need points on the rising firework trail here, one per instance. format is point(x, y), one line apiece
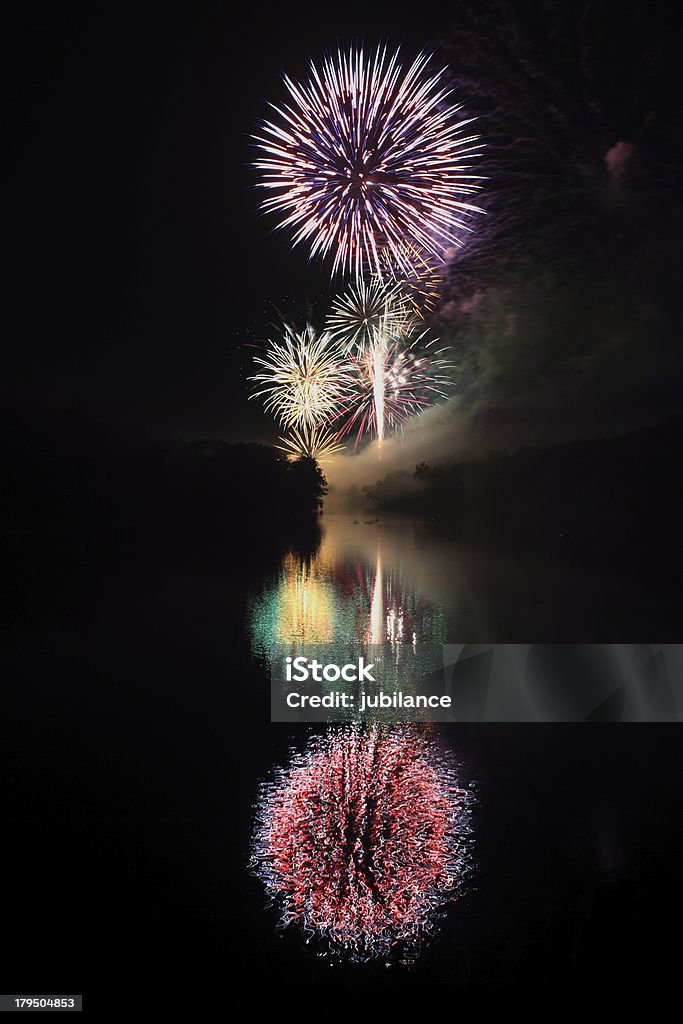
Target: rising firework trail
point(303, 378)
point(377, 366)
point(369, 161)
point(363, 840)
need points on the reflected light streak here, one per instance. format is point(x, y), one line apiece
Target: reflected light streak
point(344, 590)
point(375, 632)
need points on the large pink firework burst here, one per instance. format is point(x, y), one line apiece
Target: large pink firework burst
point(363, 840)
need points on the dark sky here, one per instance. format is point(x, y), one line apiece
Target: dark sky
point(140, 265)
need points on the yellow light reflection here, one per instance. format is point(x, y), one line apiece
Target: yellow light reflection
point(305, 606)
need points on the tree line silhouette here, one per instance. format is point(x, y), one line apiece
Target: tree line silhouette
point(81, 499)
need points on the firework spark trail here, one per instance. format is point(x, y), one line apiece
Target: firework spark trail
point(304, 378)
point(366, 156)
point(422, 285)
point(364, 319)
point(363, 840)
point(378, 362)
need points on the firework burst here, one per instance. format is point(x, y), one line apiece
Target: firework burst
point(369, 307)
point(368, 160)
point(303, 378)
point(317, 442)
point(390, 380)
point(422, 287)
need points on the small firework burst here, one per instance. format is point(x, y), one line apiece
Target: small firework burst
point(422, 286)
point(366, 308)
point(390, 380)
point(317, 442)
point(303, 378)
point(369, 161)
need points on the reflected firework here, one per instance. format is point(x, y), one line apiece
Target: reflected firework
point(299, 607)
point(333, 594)
point(363, 840)
point(369, 157)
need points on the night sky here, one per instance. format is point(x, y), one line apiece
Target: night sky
point(139, 273)
point(141, 268)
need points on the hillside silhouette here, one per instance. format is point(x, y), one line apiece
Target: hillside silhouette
point(83, 500)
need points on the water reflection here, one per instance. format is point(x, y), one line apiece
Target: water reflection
point(357, 585)
point(363, 839)
point(396, 581)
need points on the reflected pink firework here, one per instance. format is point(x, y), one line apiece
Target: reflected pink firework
point(370, 162)
point(363, 840)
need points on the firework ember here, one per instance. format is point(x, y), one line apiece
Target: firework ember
point(368, 160)
point(363, 840)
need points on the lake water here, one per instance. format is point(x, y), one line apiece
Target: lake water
point(136, 738)
point(395, 580)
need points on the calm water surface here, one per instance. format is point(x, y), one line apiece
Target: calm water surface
point(395, 580)
point(136, 735)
